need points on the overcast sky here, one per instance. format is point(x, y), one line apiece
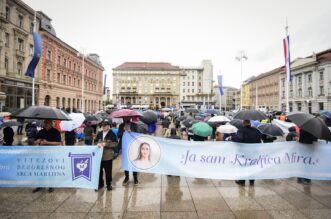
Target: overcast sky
point(184, 32)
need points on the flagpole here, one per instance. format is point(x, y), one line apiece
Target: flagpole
point(33, 79)
point(287, 81)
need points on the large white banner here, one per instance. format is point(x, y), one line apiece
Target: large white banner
point(226, 160)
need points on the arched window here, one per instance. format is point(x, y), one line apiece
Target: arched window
point(47, 100)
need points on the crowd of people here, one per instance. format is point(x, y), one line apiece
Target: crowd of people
point(108, 135)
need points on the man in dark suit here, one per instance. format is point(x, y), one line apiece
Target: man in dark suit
point(247, 134)
point(108, 140)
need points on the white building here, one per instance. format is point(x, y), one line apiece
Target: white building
point(196, 85)
point(310, 87)
point(226, 102)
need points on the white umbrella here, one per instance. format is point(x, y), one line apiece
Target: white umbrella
point(283, 125)
point(227, 129)
point(76, 122)
point(219, 119)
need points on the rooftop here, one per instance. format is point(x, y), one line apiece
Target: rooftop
point(146, 66)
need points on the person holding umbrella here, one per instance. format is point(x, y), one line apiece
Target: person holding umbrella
point(108, 140)
point(247, 134)
point(48, 136)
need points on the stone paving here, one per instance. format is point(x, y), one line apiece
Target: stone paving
point(160, 196)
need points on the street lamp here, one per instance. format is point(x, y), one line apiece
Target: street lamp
point(82, 54)
point(240, 57)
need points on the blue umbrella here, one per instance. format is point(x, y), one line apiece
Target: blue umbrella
point(326, 114)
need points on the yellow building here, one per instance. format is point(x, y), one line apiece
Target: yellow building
point(147, 83)
point(246, 96)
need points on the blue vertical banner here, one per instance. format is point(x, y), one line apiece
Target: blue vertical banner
point(36, 56)
point(50, 166)
point(220, 84)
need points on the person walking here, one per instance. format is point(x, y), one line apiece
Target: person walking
point(107, 140)
point(247, 134)
point(129, 126)
point(48, 136)
point(20, 127)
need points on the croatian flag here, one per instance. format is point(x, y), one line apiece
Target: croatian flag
point(36, 56)
point(220, 84)
point(286, 43)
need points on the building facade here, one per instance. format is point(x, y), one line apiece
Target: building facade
point(264, 91)
point(310, 87)
point(60, 74)
point(197, 85)
point(227, 102)
point(16, 51)
point(147, 83)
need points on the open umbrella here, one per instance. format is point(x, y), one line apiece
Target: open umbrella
point(125, 113)
point(237, 123)
point(76, 122)
point(142, 127)
point(90, 117)
point(191, 110)
point(270, 129)
point(219, 119)
point(255, 123)
point(181, 118)
point(312, 124)
point(149, 116)
point(10, 123)
point(202, 129)
point(327, 114)
point(227, 129)
point(213, 111)
point(41, 112)
point(250, 115)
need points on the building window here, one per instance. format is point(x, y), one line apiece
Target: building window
point(20, 21)
point(78, 83)
point(299, 106)
point(48, 75)
point(192, 83)
point(291, 93)
point(188, 83)
point(58, 77)
point(31, 27)
point(310, 79)
point(321, 106)
point(64, 79)
point(69, 64)
point(7, 39)
point(283, 82)
point(74, 82)
point(300, 92)
point(192, 90)
point(310, 92)
point(20, 45)
point(321, 90)
point(199, 84)
point(59, 60)
point(49, 55)
point(283, 95)
point(6, 64)
point(65, 62)
point(183, 83)
point(69, 80)
point(19, 67)
point(183, 90)
point(321, 76)
point(290, 106)
point(74, 66)
point(7, 13)
point(31, 50)
point(299, 80)
point(199, 90)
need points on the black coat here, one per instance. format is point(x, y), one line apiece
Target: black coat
point(8, 136)
point(111, 142)
point(247, 135)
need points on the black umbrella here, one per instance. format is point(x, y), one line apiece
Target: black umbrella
point(213, 111)
point(270, 129)
point(312, 124)
point(237, 123)
point(191, 110)
point(181, 118)
point(149, 116)
point(10, 123)
point(187, 122)
point(90, 117)
point(41, 112)
point(142, 127)
point(250, 115)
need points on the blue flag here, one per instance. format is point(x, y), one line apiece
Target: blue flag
point(104, 85)
point(36, 56)
point(220, 84)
